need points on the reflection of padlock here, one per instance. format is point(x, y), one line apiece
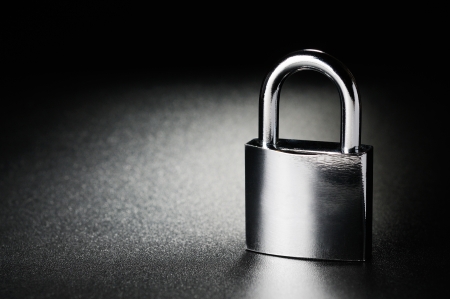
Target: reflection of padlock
point(309, 199)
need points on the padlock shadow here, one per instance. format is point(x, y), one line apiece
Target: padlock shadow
point(267, 276)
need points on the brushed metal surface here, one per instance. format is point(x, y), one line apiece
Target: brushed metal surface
point(309, 203)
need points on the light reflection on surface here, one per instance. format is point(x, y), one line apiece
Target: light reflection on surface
point(278, 277)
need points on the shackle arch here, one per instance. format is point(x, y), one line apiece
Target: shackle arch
point(321, 62)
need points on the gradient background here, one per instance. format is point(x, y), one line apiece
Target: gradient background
point(122, 149)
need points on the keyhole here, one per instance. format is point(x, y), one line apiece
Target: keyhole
point(310, 108)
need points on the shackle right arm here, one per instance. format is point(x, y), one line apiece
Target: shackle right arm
point(325, 64)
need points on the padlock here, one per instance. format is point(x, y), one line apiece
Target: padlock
point(309, 199)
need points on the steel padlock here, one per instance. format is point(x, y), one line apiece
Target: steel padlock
point(309, 199)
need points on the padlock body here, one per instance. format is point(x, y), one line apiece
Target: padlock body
point(306, 199)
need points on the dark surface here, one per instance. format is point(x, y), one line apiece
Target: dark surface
point(132, 185)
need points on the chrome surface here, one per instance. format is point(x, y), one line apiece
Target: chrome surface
point(307, 203)
point(323, 63)
point(309, 199)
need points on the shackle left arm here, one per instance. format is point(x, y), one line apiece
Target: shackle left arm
point(325, 64)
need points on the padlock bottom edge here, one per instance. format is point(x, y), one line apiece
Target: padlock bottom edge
point(305, 258)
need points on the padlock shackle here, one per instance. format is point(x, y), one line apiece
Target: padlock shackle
point(325, 64)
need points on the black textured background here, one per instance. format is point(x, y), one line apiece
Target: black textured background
point(122, 155)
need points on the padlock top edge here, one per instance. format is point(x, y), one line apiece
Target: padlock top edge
point(310, 147)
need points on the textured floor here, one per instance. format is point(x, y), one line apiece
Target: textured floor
point(135, 188)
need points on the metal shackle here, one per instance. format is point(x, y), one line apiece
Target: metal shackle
point(325, 64)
